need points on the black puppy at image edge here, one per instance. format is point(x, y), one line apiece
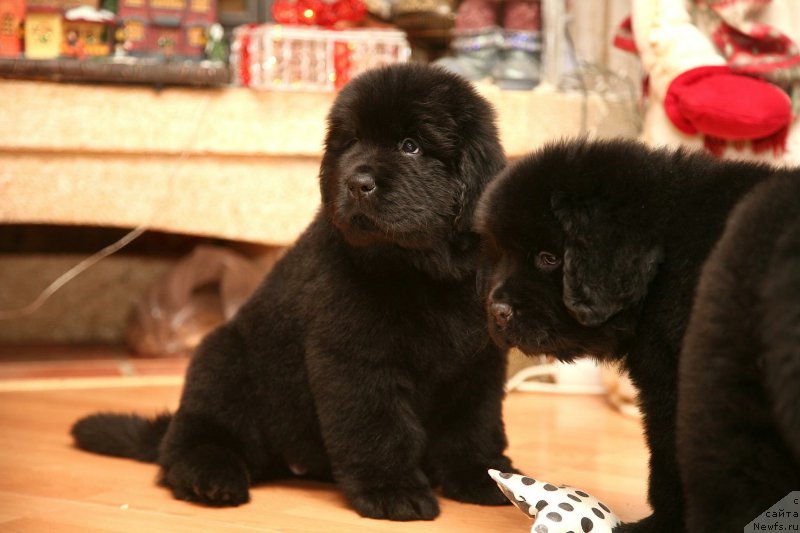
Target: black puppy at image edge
point(364, 356)
point(595, 248)
point(739, 394)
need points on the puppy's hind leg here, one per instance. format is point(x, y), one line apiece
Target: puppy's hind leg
point(212, 449)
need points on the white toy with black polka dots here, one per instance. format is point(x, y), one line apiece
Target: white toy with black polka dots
point(561, 509)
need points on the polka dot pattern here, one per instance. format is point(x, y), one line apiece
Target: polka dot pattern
point(541, 505)
point(557, 509)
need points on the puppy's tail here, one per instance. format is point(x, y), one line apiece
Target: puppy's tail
point(121, 435)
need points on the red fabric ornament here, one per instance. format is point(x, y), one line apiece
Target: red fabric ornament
point(341, 63)
point(752, 47)
point(726, 106)
point(245, 59)
point(762, 50)
point(623, 38)
point(318, 12)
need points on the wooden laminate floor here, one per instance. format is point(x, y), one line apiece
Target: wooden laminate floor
point(47, 485)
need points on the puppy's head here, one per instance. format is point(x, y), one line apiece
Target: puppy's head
point(573, 247)
point(408, 151)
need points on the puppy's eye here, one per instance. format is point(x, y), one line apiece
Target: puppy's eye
point(547, 261)
point(349, 143)
point(410, 147)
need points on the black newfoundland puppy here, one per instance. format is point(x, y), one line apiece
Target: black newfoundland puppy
point(596, 249)
point(739, 394)
point(364, 355)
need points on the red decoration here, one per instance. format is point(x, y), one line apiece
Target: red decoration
point(341, 63)
point(726, 106)
point(12, 13)
point(310, 58)
point(318, 12)
point(244, 51)
point(623, 38)
point(164, 29)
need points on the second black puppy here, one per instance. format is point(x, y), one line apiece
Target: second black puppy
point(597, 248)
point(739, 400)
point(364, 354)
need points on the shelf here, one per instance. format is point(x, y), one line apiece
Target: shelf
point(118, 70)
point(227, 162)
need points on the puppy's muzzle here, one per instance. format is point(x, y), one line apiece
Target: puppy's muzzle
point(361, 185)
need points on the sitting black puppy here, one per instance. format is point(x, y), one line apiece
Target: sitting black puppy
point(364, 355)
point(739, 394)
point(596, 249)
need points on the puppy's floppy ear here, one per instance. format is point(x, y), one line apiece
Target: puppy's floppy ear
point(610, 257)
point(481, 158)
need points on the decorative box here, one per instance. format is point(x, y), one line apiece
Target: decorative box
point(298, 58)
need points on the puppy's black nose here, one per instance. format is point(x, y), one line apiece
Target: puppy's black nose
point(501, 312)
point(361, 185)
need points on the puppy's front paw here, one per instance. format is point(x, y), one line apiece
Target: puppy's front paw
point(473, 484)
point(209, 475)
point(396, 503)
point(476, 490)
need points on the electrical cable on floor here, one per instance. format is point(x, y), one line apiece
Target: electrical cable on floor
point(71, 274)
point(75, 271)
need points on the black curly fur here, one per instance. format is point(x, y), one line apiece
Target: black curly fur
point(364, 355)
point(131, 436)
point(627, 229)
point(739, 396)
